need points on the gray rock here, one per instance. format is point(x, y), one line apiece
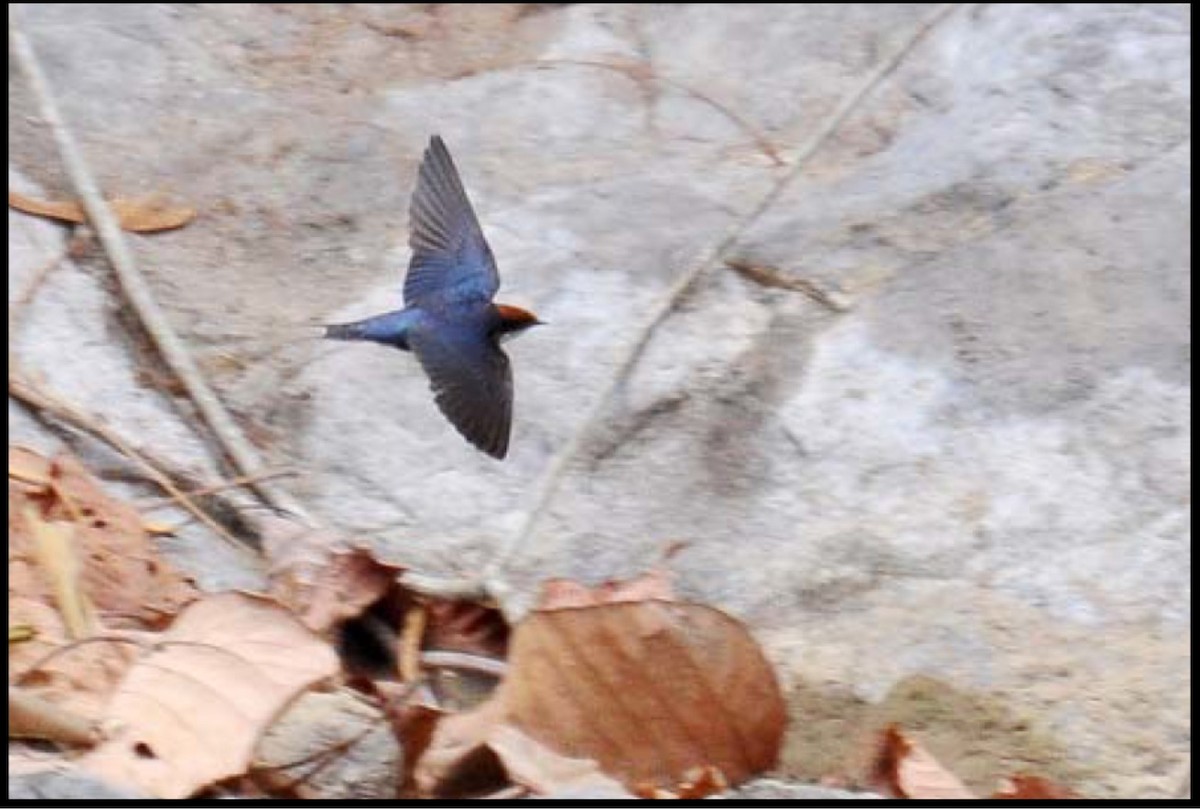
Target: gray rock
point(51, 785)
point(783, 790)
point(319, 723)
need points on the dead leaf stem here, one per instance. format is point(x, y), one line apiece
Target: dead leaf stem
point(451, 659)
point(409, 646)
point(16, 310)
point(211, 489)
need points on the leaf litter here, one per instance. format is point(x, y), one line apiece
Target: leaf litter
point(191, 711)
point(656, 694)
point(618, 689)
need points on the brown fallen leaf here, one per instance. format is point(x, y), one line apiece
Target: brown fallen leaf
point(142, 215)
point(414, 725)
point(466, 627)
point(902, 769)
point(565, 593)
point(453, 753)
point(544, 771)
point(28, 467)
point(34, 717)
point(190, 712)
point(122, 573)
point(650, 690)
point(1025, 786)
point(321, 577)
point(81, 677)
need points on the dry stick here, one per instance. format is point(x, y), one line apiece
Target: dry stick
point(173, 351)
point(16, 310)
point(554, 476)
point(468, 662)
point(210, 489)
point(24, 391)
point(408, 647)
point(70, 647)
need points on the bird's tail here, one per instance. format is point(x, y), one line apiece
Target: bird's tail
point(345, 331)
point(390, 328)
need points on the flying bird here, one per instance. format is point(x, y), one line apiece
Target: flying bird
point(449, 320)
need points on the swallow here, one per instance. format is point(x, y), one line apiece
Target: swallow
point(449, 320)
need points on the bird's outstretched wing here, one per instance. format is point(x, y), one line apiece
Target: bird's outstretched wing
point(472, 383)
point(451, 261)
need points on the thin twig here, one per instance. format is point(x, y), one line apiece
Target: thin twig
point(72, 646)
point(24, 391)
point(408, 646)
point(170, 347)
point(452, 659)
point(768, 276)
point(16, 310)
point(670, 299)
point(210, 489)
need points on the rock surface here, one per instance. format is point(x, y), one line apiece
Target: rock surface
point(975, 467)
point(346, 748)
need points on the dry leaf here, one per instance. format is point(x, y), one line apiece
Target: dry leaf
point(457, 745)
point(904, 770)
point(320, 577)
point(143, 215)
point(33, 717)
point(122, 573)
point(566, 593)
point(191, 711)
point(650, 690)
point(413, 724)
point(1024, 786)
point(80, 679)
point(28, 467)
point(544, 771)
point(666, 697)
point(465, 627)
point(349, 585)
point(57, 557)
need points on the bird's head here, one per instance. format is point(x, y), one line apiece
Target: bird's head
point(514, 320)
